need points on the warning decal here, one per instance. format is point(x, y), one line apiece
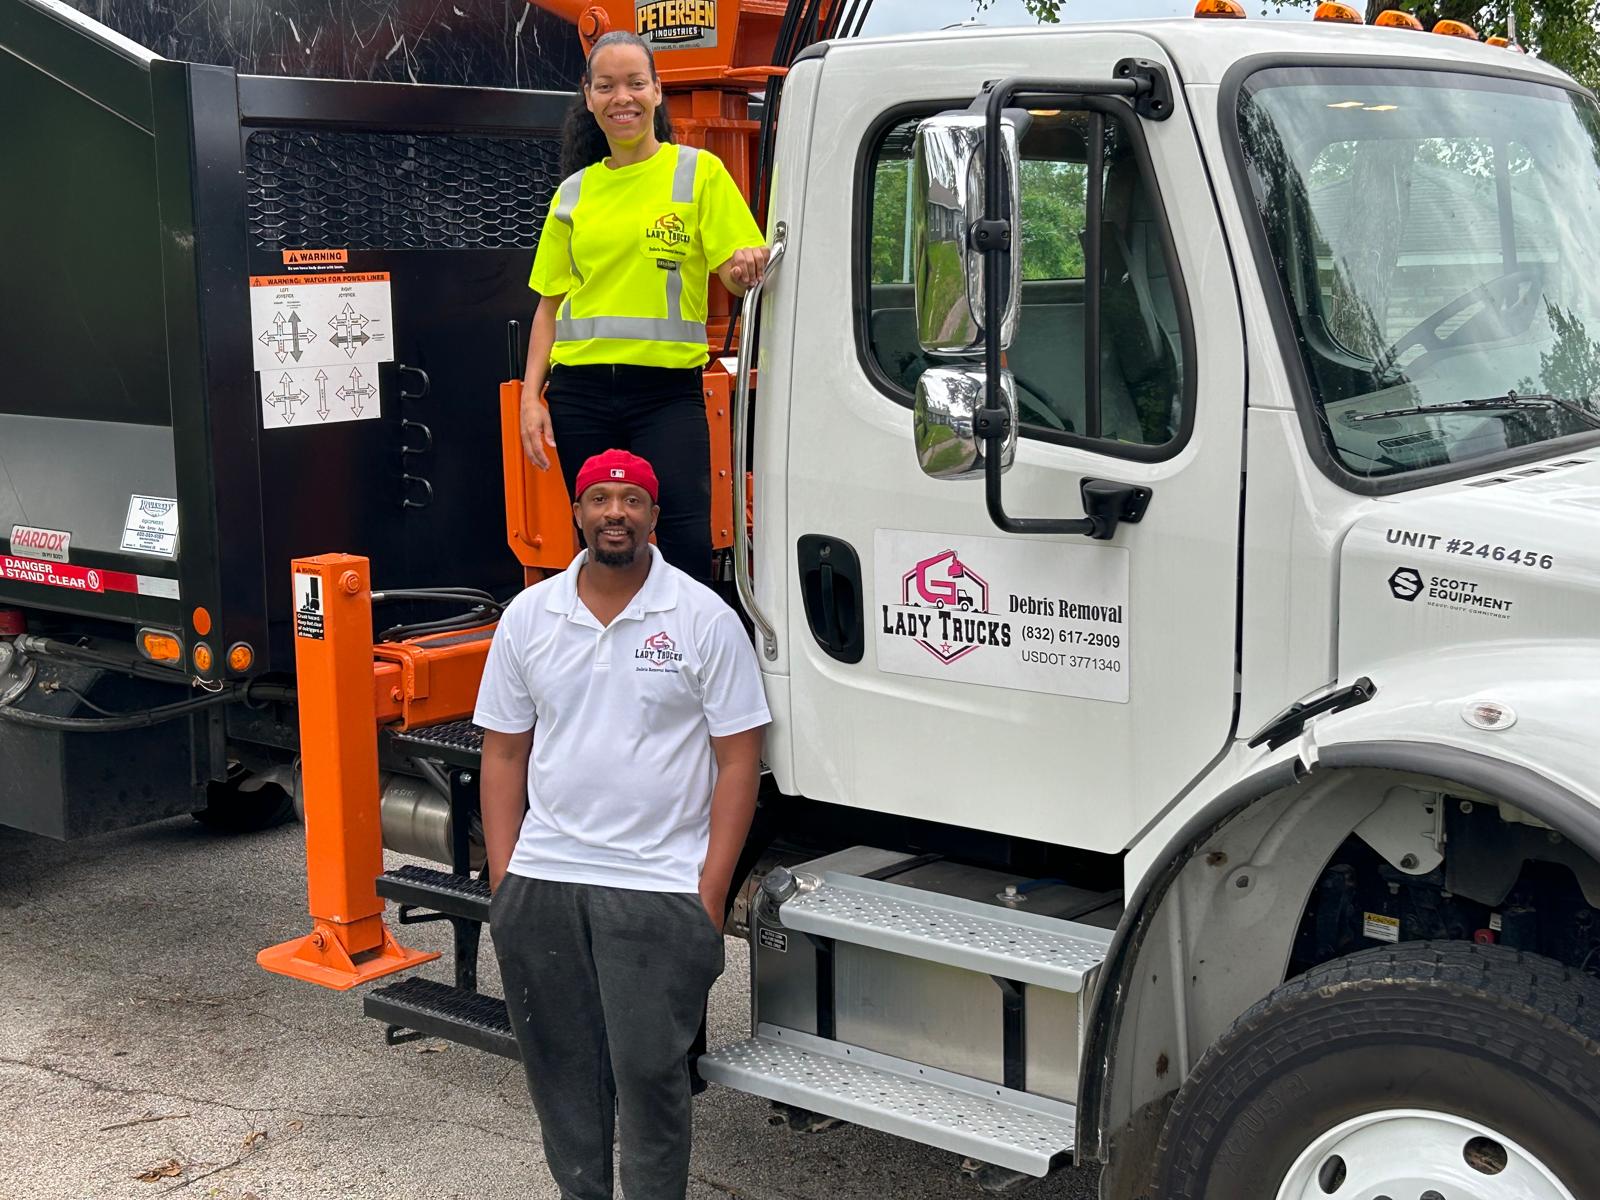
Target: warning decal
point(83, 579)
point(308, 606)
point(304, 396)
point(1380, 928)
point(324, 320)
point(151, 526)
point(320, 258)
point(77, 579)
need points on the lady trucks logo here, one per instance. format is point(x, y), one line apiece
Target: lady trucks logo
point(659, 653)
point(956, 594)
point(1002, 613)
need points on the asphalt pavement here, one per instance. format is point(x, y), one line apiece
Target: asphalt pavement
point(143, 1052)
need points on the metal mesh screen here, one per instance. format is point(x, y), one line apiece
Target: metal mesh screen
point(385, 191)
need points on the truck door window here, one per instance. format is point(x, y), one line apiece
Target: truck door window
point(1141, 401)
point(1433, 234)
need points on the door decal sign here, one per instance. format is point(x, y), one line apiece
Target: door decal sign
point(1024, 614)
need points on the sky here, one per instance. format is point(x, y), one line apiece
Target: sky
point(909, 16)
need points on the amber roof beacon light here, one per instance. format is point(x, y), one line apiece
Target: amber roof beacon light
point(1394, 18)
point(1231, 9)
point(1342, 14)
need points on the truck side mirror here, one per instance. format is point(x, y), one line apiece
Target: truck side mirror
point(947, 181)
point(945, 419)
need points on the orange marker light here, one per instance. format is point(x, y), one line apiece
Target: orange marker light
point(159, 646)
point(1458, 29)
point(1231, 9)
point(1503, 43)
point(202, 657)
point(1342, 13)
point(240, 656)
point(1393, 18)
point(202, 622)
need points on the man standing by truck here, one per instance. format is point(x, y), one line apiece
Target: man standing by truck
point(640, 783)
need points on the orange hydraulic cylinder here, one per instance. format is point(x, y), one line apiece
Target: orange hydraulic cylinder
point(348, 943)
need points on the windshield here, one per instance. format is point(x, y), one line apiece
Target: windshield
point(1438, 240)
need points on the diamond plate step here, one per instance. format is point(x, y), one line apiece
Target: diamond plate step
point(937, 1108)
point(442, 1011)
point(963, 933)
point(459, 743)
point(436, 891)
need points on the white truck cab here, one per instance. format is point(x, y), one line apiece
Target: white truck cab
point(1282, 764)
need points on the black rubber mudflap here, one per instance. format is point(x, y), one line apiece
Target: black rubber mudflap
point(441, 1011)
point(437, 891)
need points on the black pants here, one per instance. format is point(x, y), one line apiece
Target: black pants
point(658, 413)
point(605, 988)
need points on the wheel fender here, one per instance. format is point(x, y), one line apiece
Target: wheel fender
point(1424, 700)
point(1413, 725)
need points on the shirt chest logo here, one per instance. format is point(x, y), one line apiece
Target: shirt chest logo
point(668, 234)
point(658, 653)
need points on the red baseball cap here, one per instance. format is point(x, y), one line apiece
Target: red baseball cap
point(618, 466)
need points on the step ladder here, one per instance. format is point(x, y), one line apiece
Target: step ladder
point(417, 1007)
point(992, 1121)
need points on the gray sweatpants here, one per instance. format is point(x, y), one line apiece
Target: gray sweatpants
point(605, 988)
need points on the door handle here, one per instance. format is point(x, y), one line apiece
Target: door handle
point(830, 582)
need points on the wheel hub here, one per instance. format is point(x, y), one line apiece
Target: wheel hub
point(1409, 1154)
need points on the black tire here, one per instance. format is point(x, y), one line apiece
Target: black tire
point(230, 809)
point(1508, 1040)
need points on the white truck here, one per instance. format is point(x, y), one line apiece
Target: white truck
point(1185, 696)
point(1275, 784)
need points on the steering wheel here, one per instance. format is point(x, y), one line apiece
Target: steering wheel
point(1508, 305)
point(1038, 405)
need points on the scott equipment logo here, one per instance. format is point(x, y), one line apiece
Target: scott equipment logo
point(945, 584)
point(1406, 583)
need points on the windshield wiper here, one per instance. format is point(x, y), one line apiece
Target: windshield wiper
point(1541, 401)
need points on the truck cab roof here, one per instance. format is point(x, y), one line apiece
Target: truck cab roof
point(1205, 50)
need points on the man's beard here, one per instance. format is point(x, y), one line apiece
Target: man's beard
point(613, 558)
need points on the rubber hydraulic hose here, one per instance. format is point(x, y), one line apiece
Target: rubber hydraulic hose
point(148, 717)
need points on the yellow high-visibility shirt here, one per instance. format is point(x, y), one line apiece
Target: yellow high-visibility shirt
point(632, 249)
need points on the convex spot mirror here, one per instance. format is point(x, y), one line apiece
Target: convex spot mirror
point(944, 421)
point(947, 184)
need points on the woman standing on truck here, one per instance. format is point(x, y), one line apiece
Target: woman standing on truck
point(622, 269)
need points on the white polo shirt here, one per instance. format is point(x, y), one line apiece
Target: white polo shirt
point(619, 784)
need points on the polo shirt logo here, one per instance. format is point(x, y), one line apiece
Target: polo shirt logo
point(658, 649)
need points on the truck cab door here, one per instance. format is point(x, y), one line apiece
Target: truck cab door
point(1057, 688)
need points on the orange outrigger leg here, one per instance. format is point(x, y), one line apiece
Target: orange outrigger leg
point(348, 943)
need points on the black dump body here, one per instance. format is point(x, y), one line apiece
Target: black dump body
point(174, 364)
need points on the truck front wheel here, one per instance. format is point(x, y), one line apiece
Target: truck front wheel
point(1424, 1071)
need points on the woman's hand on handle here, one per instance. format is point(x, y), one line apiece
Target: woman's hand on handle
point(537, 432)
point(744, 270)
